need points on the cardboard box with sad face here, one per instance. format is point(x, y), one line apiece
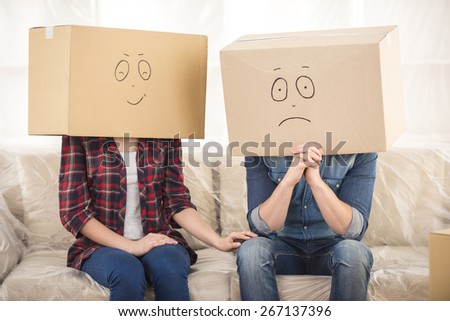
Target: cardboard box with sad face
point(341, 89)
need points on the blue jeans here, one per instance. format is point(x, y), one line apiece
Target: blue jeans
point(260, 259)
point(165, 267)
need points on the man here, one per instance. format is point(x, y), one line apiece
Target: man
point(310, 212)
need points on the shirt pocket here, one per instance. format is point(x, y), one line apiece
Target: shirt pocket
point(153, 179)
point(103, 172)
point(277, 174)
point(155, 174)
point(333, 183)
point(155, 162)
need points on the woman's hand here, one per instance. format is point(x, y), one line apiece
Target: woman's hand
point(148, 242)
point(234, 240)
point(98, 232)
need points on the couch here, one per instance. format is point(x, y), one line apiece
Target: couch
point(411, 199)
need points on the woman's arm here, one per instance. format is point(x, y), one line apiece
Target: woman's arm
point(179, 208)
point(190, 220)
point(99, 233)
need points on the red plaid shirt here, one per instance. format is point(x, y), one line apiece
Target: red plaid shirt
point(92, 183)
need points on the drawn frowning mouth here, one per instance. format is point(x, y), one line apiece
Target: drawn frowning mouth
point(136, 103)
point(290, 118)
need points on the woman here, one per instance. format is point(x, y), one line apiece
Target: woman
point(122, 203)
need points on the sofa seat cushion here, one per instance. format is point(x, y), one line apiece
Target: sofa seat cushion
point(294, 287)
point(410, 198)
point(11, 247)
point(399, 273)
point(210, 277)
point(42, 275)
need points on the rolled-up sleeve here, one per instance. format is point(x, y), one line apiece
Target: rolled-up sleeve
point(357, 191)
point(257, 225)
point(74, 196)
point(356, 226)
point(259, 188)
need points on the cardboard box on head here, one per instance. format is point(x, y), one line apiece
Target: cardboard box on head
point(341, 89)
point(106, 82)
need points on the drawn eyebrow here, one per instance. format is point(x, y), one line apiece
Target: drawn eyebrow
point(277, 69)
point(305, 66)
point(140, 54)
point(126, 54)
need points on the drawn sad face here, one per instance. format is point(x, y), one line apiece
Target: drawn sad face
point(282, 94)
point(135, 73)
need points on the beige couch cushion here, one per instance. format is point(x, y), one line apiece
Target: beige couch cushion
point(410, 199)
point(38, 175)
point(233, 195)
point(198, 178)
point(43, 275)
point(210, 277)
point(399, 273)
point(294, 287)
point(10, 189)
point(13, 234)
point(11, 247)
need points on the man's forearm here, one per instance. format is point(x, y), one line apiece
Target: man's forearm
point(274, 210)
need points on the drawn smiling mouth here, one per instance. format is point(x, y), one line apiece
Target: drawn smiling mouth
point(290, 118)
point(136, 103)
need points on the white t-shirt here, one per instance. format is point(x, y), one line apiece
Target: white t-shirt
point(133, 226)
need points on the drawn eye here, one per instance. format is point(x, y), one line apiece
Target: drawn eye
point(122, 70)
point(145, 71)
point(305, 87)
point(279, 89)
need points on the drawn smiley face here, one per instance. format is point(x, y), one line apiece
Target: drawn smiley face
point(280, 92)
point(122, 73)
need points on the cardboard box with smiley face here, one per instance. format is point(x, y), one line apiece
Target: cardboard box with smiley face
point(106, 82)
point(341, 89)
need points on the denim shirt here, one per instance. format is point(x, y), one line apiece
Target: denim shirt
point(351, 177)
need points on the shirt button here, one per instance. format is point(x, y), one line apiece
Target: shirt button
point(306, 206)
point(305, 227)
point(337, 185)
point(279, 180)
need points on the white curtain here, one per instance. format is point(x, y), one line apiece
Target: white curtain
point(424, 36)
